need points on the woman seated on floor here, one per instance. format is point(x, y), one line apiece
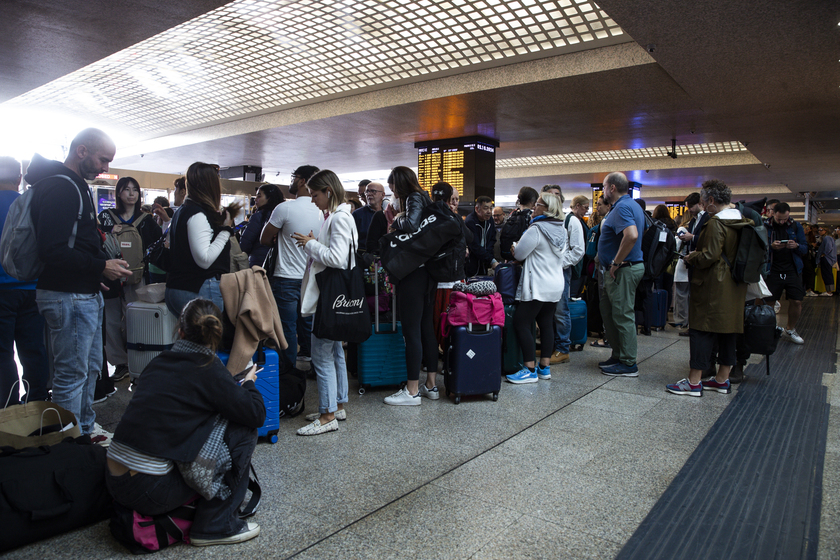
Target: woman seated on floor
point(185, 401)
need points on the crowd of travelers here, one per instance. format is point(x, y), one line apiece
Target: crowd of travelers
point(92, 271)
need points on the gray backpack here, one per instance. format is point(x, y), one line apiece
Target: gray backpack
point(18, 243)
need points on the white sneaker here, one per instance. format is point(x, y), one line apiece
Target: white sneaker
point(432, 393)
point(777, 307)
point(794, 336)
point(248, 532)
point(101, 436)
point(403, 398)
point(340, 414)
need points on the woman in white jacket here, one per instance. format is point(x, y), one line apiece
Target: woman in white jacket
point(540, 286)
point(329, 249)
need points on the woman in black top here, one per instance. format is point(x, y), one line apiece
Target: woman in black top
point(199, 251)
point(119, 220)
point(415, 295)
point(187, 399)
point(268, 197)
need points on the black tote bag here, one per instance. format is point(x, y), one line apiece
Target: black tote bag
point(402, 253)
point(342, 312)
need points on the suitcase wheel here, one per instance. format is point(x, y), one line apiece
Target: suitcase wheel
point(495, 397)
point(576, 347)
point(457, 399)
point(273, 438)
point(361, 390)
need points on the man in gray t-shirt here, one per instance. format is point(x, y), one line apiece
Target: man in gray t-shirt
point(296, 215)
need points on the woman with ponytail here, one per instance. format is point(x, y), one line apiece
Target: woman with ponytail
point(186, 401)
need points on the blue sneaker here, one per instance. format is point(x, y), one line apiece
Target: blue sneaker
point(524, 375)
point(683, 387)
point(621, 370)
point(610, 362)
point(713, 385)
point(543, 372)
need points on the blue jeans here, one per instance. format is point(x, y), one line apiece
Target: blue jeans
point(562, 317)
point(177, 300)
point(21, 325)
point(331, 373)
point(74, 325)
point(295, 328)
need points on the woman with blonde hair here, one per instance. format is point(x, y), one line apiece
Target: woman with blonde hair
point(541, 250)
point(199, 241)
point(334, 247)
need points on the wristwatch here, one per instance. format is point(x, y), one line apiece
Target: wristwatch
point(613, 263)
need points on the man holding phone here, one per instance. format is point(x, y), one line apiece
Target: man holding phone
point(787, 247)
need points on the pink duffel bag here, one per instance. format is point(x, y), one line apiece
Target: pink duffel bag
point(465, 309)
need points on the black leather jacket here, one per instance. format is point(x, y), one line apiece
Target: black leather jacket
point(409, 221)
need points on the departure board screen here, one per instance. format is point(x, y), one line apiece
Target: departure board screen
point(468, 164)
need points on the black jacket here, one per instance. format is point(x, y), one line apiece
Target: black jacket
point(54, 210)
point(481, 246)
point(173, 409)
point(409, 221)
point(249, 241)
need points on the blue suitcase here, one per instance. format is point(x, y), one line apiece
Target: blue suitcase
point(656, 308)
point(268, 383)
point(381, 358)
point(577, 310)
point(473, 361)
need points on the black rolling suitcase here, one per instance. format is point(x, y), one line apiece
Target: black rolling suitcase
point(473, 361)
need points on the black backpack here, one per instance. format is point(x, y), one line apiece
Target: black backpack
point(751, 256)
point(448, 264)
point(512, 231)
point(658, 247)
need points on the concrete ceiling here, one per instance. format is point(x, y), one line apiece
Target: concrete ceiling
point(765, 73)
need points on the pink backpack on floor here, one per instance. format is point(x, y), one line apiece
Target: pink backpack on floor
point(468, 309)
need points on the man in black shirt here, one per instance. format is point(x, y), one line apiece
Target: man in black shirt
point(787, 247)
point(68, 290)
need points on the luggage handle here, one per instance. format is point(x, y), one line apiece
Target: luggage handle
point(12, 390)
point(485, 325)
point(376, 301)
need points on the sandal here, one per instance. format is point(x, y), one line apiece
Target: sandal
point(599, 344)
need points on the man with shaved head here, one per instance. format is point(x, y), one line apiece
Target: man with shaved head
point(68, 290)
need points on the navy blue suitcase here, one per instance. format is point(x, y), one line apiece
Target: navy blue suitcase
point(381, 358)
point(656, 308)
point(507, 281)
point(473, 361)
point(577, 337)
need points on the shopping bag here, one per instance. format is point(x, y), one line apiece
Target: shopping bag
point(36, 423)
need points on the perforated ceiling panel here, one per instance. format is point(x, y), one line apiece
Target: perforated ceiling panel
point(257, 55)
point(612, 155)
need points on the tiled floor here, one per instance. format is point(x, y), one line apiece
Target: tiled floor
point(565, 468)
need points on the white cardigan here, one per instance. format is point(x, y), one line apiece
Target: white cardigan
point(330, 250)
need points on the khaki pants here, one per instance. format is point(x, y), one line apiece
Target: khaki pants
point(618, 314)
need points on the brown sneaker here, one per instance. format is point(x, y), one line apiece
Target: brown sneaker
point(559, 358)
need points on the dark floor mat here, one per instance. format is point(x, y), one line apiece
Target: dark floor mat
point(753, 487)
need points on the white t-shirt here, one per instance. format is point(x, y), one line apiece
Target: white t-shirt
point(294, 216)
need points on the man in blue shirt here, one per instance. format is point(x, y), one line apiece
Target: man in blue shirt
point(620, 253)
point(20, 322)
